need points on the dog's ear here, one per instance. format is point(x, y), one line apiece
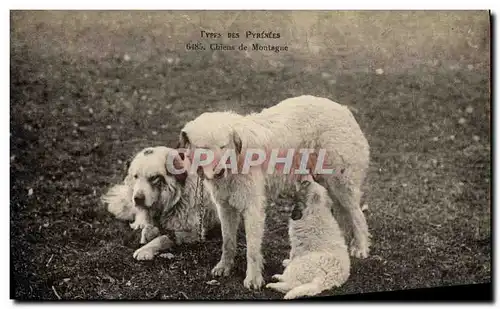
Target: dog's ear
point(178, 163)
point(297, 186)
point(296, 213)
point(126, 166)
point(184, 141)
point(127, 179)
point(182, 156)
point(237, 142)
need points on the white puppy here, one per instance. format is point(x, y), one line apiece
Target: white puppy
point(318, 259)
point(156, 198)
point(295, 123)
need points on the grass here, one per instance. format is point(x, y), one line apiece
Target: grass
point(77, 114)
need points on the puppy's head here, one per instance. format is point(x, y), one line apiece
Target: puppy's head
point(152, 179)
point(309, 196)
point(212, 142)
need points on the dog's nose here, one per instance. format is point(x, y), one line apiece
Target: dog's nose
point(139, 199)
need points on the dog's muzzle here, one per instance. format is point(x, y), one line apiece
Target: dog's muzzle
point(140, 200)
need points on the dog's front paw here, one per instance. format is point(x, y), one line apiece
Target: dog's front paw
point(254, 281)
point(137, 225)
point(285, 262)
point(221, 269)
point(144, 254)
point(359, 250)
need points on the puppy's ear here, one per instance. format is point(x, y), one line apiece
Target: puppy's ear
point(184, 141)
point(316, 198)
point(305, 184)
point(237, 142)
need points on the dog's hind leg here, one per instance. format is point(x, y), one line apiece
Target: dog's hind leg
point(349, 196)
point(230, 220)
point(308, 289)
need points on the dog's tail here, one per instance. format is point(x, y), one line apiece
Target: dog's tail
point(119, 203)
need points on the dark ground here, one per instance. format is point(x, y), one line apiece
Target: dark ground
point(75, 119)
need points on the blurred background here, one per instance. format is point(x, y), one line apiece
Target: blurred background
point(349, 40)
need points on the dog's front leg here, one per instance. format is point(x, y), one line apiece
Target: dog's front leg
point(151, 249)
point(254, 215)
point(149, 232)
point(230, 220)
point(141, 219)
point(186, 237)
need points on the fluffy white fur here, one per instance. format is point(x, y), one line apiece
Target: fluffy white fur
point(301, 122)
point(318, 259)
point(170, 203)
point(119, 202)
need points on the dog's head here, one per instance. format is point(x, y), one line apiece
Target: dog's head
point(154, 177)
point(214, 137)
point(309, 195)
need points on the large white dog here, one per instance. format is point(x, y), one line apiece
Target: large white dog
point(295, 123)
point(153, 198)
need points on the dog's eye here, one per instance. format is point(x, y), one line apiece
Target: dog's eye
point(156, 179)
point(136, 176)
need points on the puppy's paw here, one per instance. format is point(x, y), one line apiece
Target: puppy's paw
point(221, 269)
point(285, 262)
point(273, 286)
point(359, 250)
point(277, 277)
point(144, 254)
point(290, 295)
point(253, 281)
point(281, 287)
